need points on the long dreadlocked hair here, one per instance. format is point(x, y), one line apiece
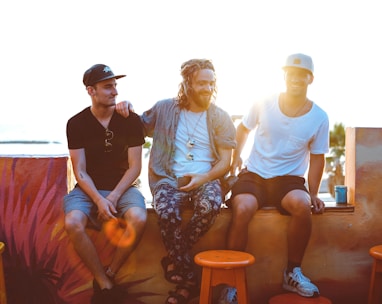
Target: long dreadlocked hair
point(187, 71)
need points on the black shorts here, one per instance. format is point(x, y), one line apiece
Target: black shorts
point(268, 192)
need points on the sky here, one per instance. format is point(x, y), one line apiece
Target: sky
point(47, 45)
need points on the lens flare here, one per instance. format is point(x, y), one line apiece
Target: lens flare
point(119, 232)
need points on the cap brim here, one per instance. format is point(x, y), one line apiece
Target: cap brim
point(111, 77)
point(296, 67)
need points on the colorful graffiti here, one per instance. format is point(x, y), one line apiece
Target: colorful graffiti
point(40, 265)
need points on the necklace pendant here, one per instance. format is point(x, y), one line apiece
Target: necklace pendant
point(190, 143)
point(190, 156)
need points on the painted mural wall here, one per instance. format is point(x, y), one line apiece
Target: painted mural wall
point(42, 267)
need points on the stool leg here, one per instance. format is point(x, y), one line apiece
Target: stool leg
point(241, 286)
point(375, 291)
point(205, 288)
point(3, 293)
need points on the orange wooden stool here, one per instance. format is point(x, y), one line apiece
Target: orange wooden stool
point(3, 293)
point(223, 267)
point(375, 290)
point(293, 298)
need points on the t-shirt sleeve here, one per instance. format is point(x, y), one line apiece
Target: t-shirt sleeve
point(250, 119)
point(136, 135)
point(73, 135)
point(320, 145)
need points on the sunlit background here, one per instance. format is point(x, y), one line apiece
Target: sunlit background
point(47, 45)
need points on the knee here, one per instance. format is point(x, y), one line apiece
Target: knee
point(73, 224)
point(137, 216)
point(305, 210)
point(243, 208)
point(300, 208)
point(142, 218)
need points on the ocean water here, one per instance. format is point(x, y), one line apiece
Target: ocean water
point(31, 140)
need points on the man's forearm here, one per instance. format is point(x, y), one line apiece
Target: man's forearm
point(316, 170)
point(127, 180)
point(222, 166)
point(87, 185)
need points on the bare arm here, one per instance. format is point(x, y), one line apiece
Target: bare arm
point(124, 108)
point(220, 168)
point(241, 138)
point(135, 166)
point(316, 169)
point(105, 207)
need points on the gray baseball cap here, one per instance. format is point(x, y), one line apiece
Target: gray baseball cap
point(299, 60)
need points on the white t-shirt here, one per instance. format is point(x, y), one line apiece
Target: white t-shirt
point(282, 144)
point(192, 126)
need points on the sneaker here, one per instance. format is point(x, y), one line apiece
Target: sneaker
point(113, 296)
point(107, 296)
point(96, 298)
point(296, 282)
point(228, 295)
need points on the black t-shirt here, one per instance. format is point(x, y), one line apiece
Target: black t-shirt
point(105, 168)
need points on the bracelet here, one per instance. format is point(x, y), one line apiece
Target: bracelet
point(109, 273)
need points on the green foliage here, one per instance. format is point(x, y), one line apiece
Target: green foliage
point(147, 144)
point(337, 140)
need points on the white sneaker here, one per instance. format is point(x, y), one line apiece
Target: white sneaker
point(296, 282)
point(228, 295)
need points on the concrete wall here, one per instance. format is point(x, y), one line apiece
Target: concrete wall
point(40, 262)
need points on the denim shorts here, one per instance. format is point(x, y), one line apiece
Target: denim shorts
point(79, 200)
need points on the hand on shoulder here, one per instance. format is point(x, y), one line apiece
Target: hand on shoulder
point(124, 108)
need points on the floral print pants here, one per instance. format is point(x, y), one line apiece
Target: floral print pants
point(169, 203)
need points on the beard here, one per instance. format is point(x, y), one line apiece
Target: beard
point(201, 99)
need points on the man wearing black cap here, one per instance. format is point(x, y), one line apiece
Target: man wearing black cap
point(291, 138)
point(106, 153)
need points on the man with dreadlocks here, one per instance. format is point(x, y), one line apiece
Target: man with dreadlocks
point(192, 146)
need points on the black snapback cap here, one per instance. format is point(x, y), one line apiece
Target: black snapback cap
point(97, 73)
